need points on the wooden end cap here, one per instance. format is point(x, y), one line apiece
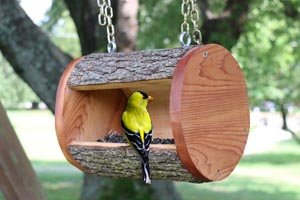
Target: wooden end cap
point(209, 112)
point(63, 94)
point(85, 115)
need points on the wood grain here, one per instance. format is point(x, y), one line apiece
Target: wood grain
point(85, 116)
point(17, 177)
point(209, 112)
point(121, 161)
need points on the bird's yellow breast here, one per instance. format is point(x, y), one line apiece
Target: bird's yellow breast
point(137, 121)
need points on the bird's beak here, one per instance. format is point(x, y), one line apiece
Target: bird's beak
point(150, 98)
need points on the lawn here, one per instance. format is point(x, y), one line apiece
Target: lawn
point(273, 174)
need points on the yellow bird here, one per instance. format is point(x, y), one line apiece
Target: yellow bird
point(137, 126)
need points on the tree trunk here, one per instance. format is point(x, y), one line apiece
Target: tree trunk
point(17, 178)
point(284, 114)
point(127, 25)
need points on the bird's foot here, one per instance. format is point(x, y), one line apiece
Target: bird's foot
point(147, 180)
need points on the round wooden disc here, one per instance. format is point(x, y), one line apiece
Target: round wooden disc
point(209, 111)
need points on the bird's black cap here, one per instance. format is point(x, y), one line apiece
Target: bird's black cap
point(145, 96)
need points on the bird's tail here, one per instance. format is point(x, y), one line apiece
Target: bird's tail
point(146, 170)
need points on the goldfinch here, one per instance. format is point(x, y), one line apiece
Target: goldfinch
point(137, 126)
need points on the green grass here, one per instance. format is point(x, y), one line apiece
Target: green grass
point(36, 131)
point(60, 180)
point(272, 175)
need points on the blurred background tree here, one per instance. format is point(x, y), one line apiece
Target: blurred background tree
point(269, 52)
point(264, 36)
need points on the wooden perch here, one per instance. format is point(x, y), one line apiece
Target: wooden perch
point(120, 160)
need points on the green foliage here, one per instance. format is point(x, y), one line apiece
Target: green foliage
point(63, 34)
point(54, 14)
point(269, 52)
point(159, 24)
point(268, 49)
point(13, 90)
point(160, 21)
point(61, 29)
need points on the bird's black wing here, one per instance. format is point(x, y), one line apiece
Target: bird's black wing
point(142, 148)
point(148, 139)
point(136, 141)
point(134, 138)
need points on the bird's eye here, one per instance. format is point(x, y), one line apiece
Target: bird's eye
point(145, 96)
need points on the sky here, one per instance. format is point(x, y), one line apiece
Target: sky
point(36, 9)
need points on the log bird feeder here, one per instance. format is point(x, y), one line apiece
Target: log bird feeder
point(200, 101)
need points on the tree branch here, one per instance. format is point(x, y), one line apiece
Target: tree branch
point(30, 52)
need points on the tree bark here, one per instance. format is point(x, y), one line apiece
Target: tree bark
point(97, 159)
point(17, 178)
point(100, 68)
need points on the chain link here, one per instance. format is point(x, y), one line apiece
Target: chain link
point(105, 19)
point(189, 10)
point(197, 36)
point(185, 36)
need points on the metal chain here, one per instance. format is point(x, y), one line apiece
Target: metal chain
point(105, 18)
point(185, 37)
point(189, 9)
point(197, 36)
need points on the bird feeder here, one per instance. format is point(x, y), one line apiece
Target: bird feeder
point(200, 101)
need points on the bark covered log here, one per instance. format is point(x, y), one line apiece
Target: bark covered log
point(121, 161)
point(101, 68)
